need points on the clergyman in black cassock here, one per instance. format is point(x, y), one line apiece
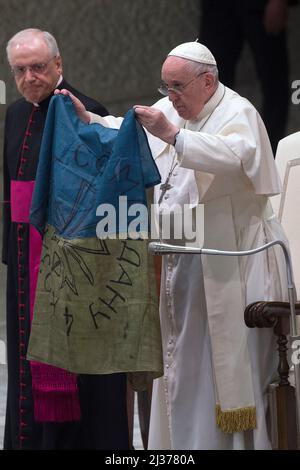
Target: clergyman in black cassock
point(102, 398)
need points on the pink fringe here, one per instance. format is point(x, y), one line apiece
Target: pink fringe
point(55, 394)
point(55, 391)
point(56, 407)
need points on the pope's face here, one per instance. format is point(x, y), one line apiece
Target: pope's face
point(36, 72)
point(195, 90)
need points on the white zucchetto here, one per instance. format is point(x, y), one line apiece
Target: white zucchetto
point(194, 51)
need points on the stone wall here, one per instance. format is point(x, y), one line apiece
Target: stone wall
point(113, 49)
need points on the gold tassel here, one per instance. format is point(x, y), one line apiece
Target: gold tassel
point(236, 420)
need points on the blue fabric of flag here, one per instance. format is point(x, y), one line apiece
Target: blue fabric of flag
point(82, 166)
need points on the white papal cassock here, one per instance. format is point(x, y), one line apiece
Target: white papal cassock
point(225, 163)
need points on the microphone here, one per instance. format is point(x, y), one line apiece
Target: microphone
point(166, 249)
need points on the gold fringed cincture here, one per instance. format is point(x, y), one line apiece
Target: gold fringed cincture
point(236, 420)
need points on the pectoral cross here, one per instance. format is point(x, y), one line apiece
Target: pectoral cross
point(164, 188)
point(166, 185)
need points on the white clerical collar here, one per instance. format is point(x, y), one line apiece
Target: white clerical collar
point(58, 83)
point(212, 102)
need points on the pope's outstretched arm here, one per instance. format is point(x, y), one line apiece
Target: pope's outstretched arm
point(151, 118)
point(88, 117)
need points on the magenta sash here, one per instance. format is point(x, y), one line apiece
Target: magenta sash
point(55, 391)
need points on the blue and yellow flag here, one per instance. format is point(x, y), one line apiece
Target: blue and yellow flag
point(96, 308)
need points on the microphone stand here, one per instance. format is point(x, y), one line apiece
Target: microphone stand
point(164, 249)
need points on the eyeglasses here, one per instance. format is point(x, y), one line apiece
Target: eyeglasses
point(35, 69)
point(164, 89)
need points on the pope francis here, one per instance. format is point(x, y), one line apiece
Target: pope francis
point(212, 148)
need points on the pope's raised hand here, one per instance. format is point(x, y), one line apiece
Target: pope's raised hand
point(78, 105)
point(156, 123)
